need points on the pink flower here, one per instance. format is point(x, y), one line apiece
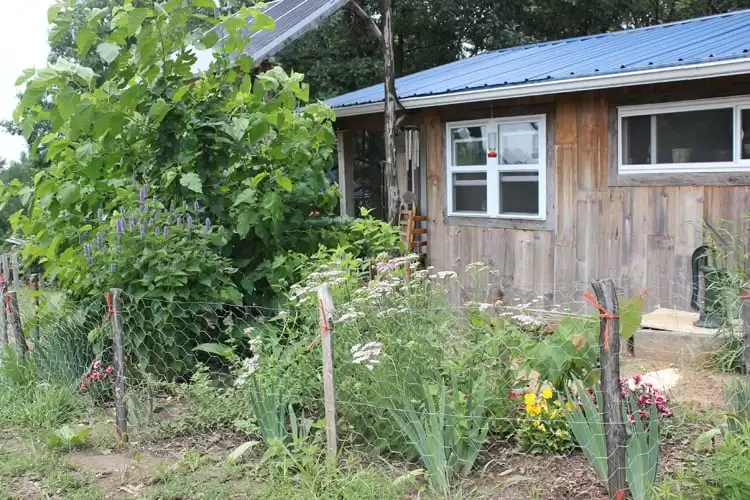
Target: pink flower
point(109, 369)
point(97, 364)
point(631, 419)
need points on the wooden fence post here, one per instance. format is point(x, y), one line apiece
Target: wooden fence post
point(14, 322)
point(3, 315)
point(35, 289)
point(121, 410)
point(16, 270)
point(609, 356)
point(745, 297)
point(327, 314)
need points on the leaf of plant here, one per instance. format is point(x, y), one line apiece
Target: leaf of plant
point(25, 75)
point(284, 182)
point(159, 110)
point(241, 450)
point(108, 51)
point(192, 181)
point(236, 129)
point(263, 22)
point(68, 193)
point(85, 40)
point(204, 4)
point(219, 349)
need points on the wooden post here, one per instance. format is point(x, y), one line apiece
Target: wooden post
point(35, 289)
point(327, 313)
point(745, 297)
point(3, 315)
point(5, 264)
point(121, 410)
point(609, 356)
point(14, 322)
point(345, 147)
point(16, 270)
point(391, 174)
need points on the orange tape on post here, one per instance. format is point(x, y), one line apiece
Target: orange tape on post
point(603, 314)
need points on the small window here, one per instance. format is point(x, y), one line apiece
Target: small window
point(693, 136)
point(496, 168)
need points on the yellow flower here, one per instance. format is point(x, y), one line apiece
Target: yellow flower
point(567, 405)
point(547, 393)
point(529, 399)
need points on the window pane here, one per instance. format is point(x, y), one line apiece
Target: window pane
point(468, 146)
point(746, 134)
point(519, 143)
point(684, 137)
point(519, 193)
point(470, 192)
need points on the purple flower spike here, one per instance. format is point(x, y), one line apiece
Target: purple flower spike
point(208, 224)
point(166, 232)
point(99, 239)
point(113, 267)
point(197, 206)
point(190, 223)
point(179, 220)
point(143, 231)
point(121, 226)
point(144, 193)
point(184, 205)
point(90, 260)
point(157, 230)
point(143, 207)
point(87, 249)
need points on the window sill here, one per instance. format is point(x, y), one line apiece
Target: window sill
point(500, 223)
point(736, 178)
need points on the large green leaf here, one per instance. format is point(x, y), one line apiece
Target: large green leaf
point(85, 40)
point(192, 181)
point(68, 193)
point(108, 51)
point(159, 110)
point(204, 4)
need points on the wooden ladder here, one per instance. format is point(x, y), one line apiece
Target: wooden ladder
point(414, 232)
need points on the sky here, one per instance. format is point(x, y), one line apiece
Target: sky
point(23, 36)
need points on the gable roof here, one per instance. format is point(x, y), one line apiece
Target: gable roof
point(695, 48)
point(293, 19)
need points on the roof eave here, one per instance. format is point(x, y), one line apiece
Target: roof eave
point(644, 77)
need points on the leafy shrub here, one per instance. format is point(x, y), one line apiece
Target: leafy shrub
point(67, 437)
point(543, 428)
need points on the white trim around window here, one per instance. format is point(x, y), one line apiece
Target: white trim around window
point(511, 185)
point(659, 138)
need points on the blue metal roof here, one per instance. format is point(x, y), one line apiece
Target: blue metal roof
point(694, 41)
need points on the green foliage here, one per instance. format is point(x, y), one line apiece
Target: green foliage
point(448, 436)
point(248, 145)
point(737, 401)
point(642, 449)
point(67, 437)
point(586, 423)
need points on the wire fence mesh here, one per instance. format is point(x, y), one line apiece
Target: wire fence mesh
point(421, 379)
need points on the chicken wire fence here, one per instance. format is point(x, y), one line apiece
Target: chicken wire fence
point(418, 376)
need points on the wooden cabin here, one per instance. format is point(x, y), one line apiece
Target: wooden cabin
point(563, 162)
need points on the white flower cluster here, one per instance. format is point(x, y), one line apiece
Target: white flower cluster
point(367, 354)
point(249, 367)
point(350, 315)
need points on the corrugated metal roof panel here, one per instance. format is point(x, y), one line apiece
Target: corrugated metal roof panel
point(689, 42)
point(293, 18)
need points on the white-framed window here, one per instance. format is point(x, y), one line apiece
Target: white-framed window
point(497, 168)
point(710, 135)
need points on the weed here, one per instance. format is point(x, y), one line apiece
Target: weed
point(67, 437)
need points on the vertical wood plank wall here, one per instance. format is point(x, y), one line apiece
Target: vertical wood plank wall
point(642, 237)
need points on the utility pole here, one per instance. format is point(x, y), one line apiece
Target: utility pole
point(385, 37)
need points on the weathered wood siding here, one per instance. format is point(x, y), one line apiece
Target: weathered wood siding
point(642, 237)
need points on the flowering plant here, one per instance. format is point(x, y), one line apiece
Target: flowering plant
point(97, 382)
point(543, 427)
point(645, 395)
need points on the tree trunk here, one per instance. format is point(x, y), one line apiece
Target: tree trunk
point(394, 197)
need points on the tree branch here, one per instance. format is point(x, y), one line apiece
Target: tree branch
point(362, 13)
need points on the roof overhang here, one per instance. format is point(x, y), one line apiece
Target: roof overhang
point(644, 77)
